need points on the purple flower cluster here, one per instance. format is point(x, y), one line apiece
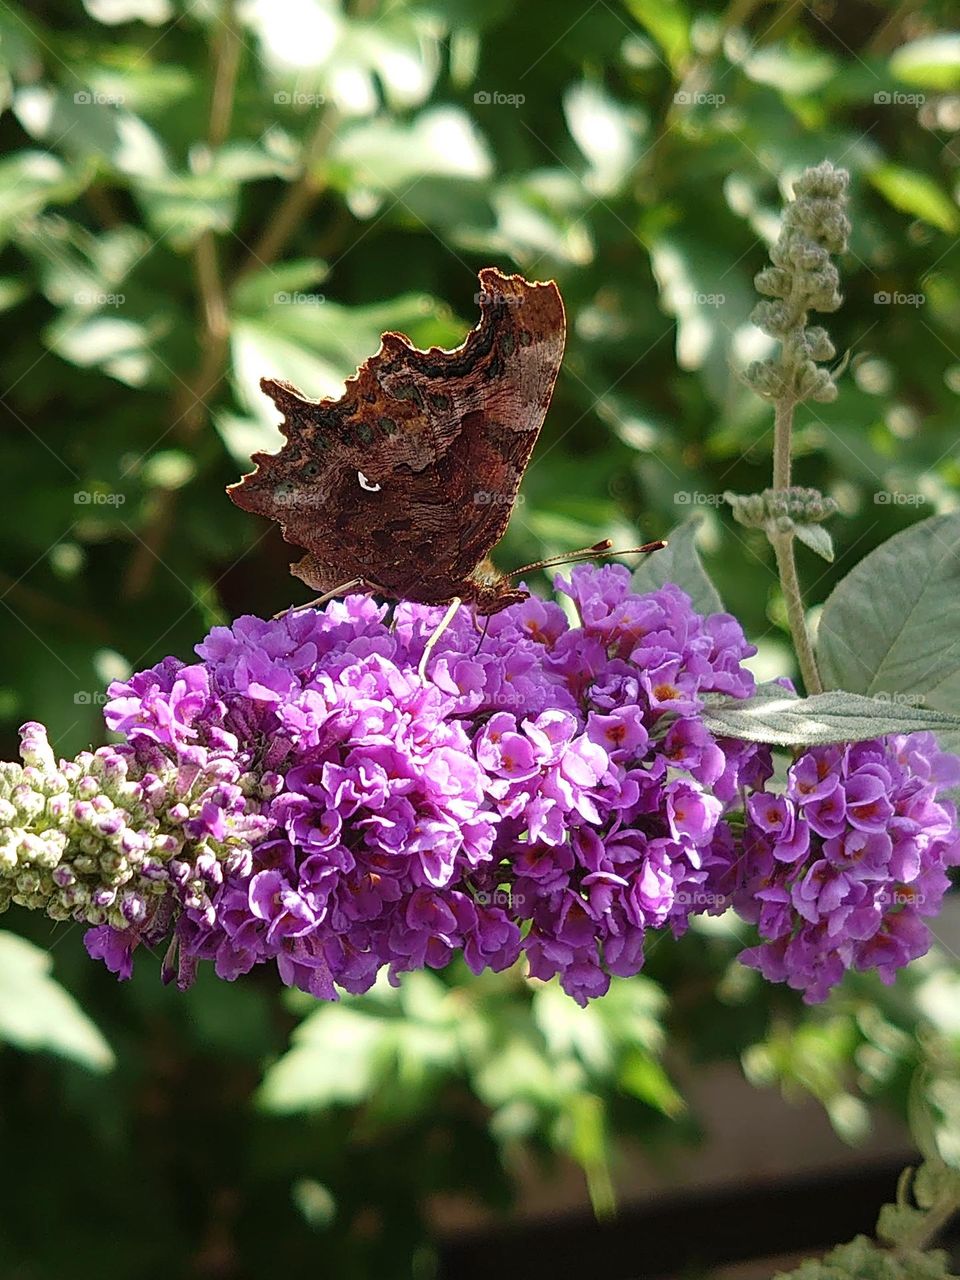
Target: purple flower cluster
point(303, 795)
point(839, 870)
point(549, 789)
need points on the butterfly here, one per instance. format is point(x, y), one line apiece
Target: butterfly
point(405, 484)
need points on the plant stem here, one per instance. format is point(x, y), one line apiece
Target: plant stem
point(226, 64)
point(934, 1220)
point(790, 586)
point(190, 401)
point(190, 406)
point(890, 32)
point(297, 202)
point(783, 550)
point(937, 1219)
point(783, 441)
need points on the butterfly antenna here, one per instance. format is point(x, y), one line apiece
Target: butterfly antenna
point(587, 553)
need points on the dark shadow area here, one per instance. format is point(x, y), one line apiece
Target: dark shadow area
point(681, 1236)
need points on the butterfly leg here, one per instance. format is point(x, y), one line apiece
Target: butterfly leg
point(483, 634)
point(327, 595)
point(445, 621)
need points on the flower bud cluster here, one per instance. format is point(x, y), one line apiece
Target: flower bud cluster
point(781, 510)
point(120, 836)
point(802, 278)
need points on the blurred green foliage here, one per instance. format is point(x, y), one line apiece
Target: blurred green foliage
point(197, 194)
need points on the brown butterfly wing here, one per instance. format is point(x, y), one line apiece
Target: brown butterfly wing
point(409, 479)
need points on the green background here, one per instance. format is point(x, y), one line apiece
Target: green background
point(196, 195)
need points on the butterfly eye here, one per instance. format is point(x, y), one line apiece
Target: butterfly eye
point(369, 485)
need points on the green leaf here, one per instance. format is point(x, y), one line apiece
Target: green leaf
point(114, 12)
point(569, 1030)
point(891, 626)
point(933, 61)
point(123, 348)
point(459, 15)
point(30, 180)
point(145, 87)
point(520, 1069)
point(336, 1059)
point(669, 24)
point(917, 194)
point(392, 49)
point(934, 1109)
point(645, 1078)
point(181, 207)
point(588, 1141)
point(679, 562)
point(36, 1013)
point(849, 1116)
point(84, 271)
point(257, 292)
point(787, 721)
point(168, 469)
point(385, 155)
point(816, 537)
point(352, 61)
point(87, 124)
point(20, 46)
point(12, 292)
point(607, 133)
point(709, 295)
point(540, 214)
point(790, 69)
point(249, 162)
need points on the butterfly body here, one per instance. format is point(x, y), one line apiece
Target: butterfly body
point(408, 481)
